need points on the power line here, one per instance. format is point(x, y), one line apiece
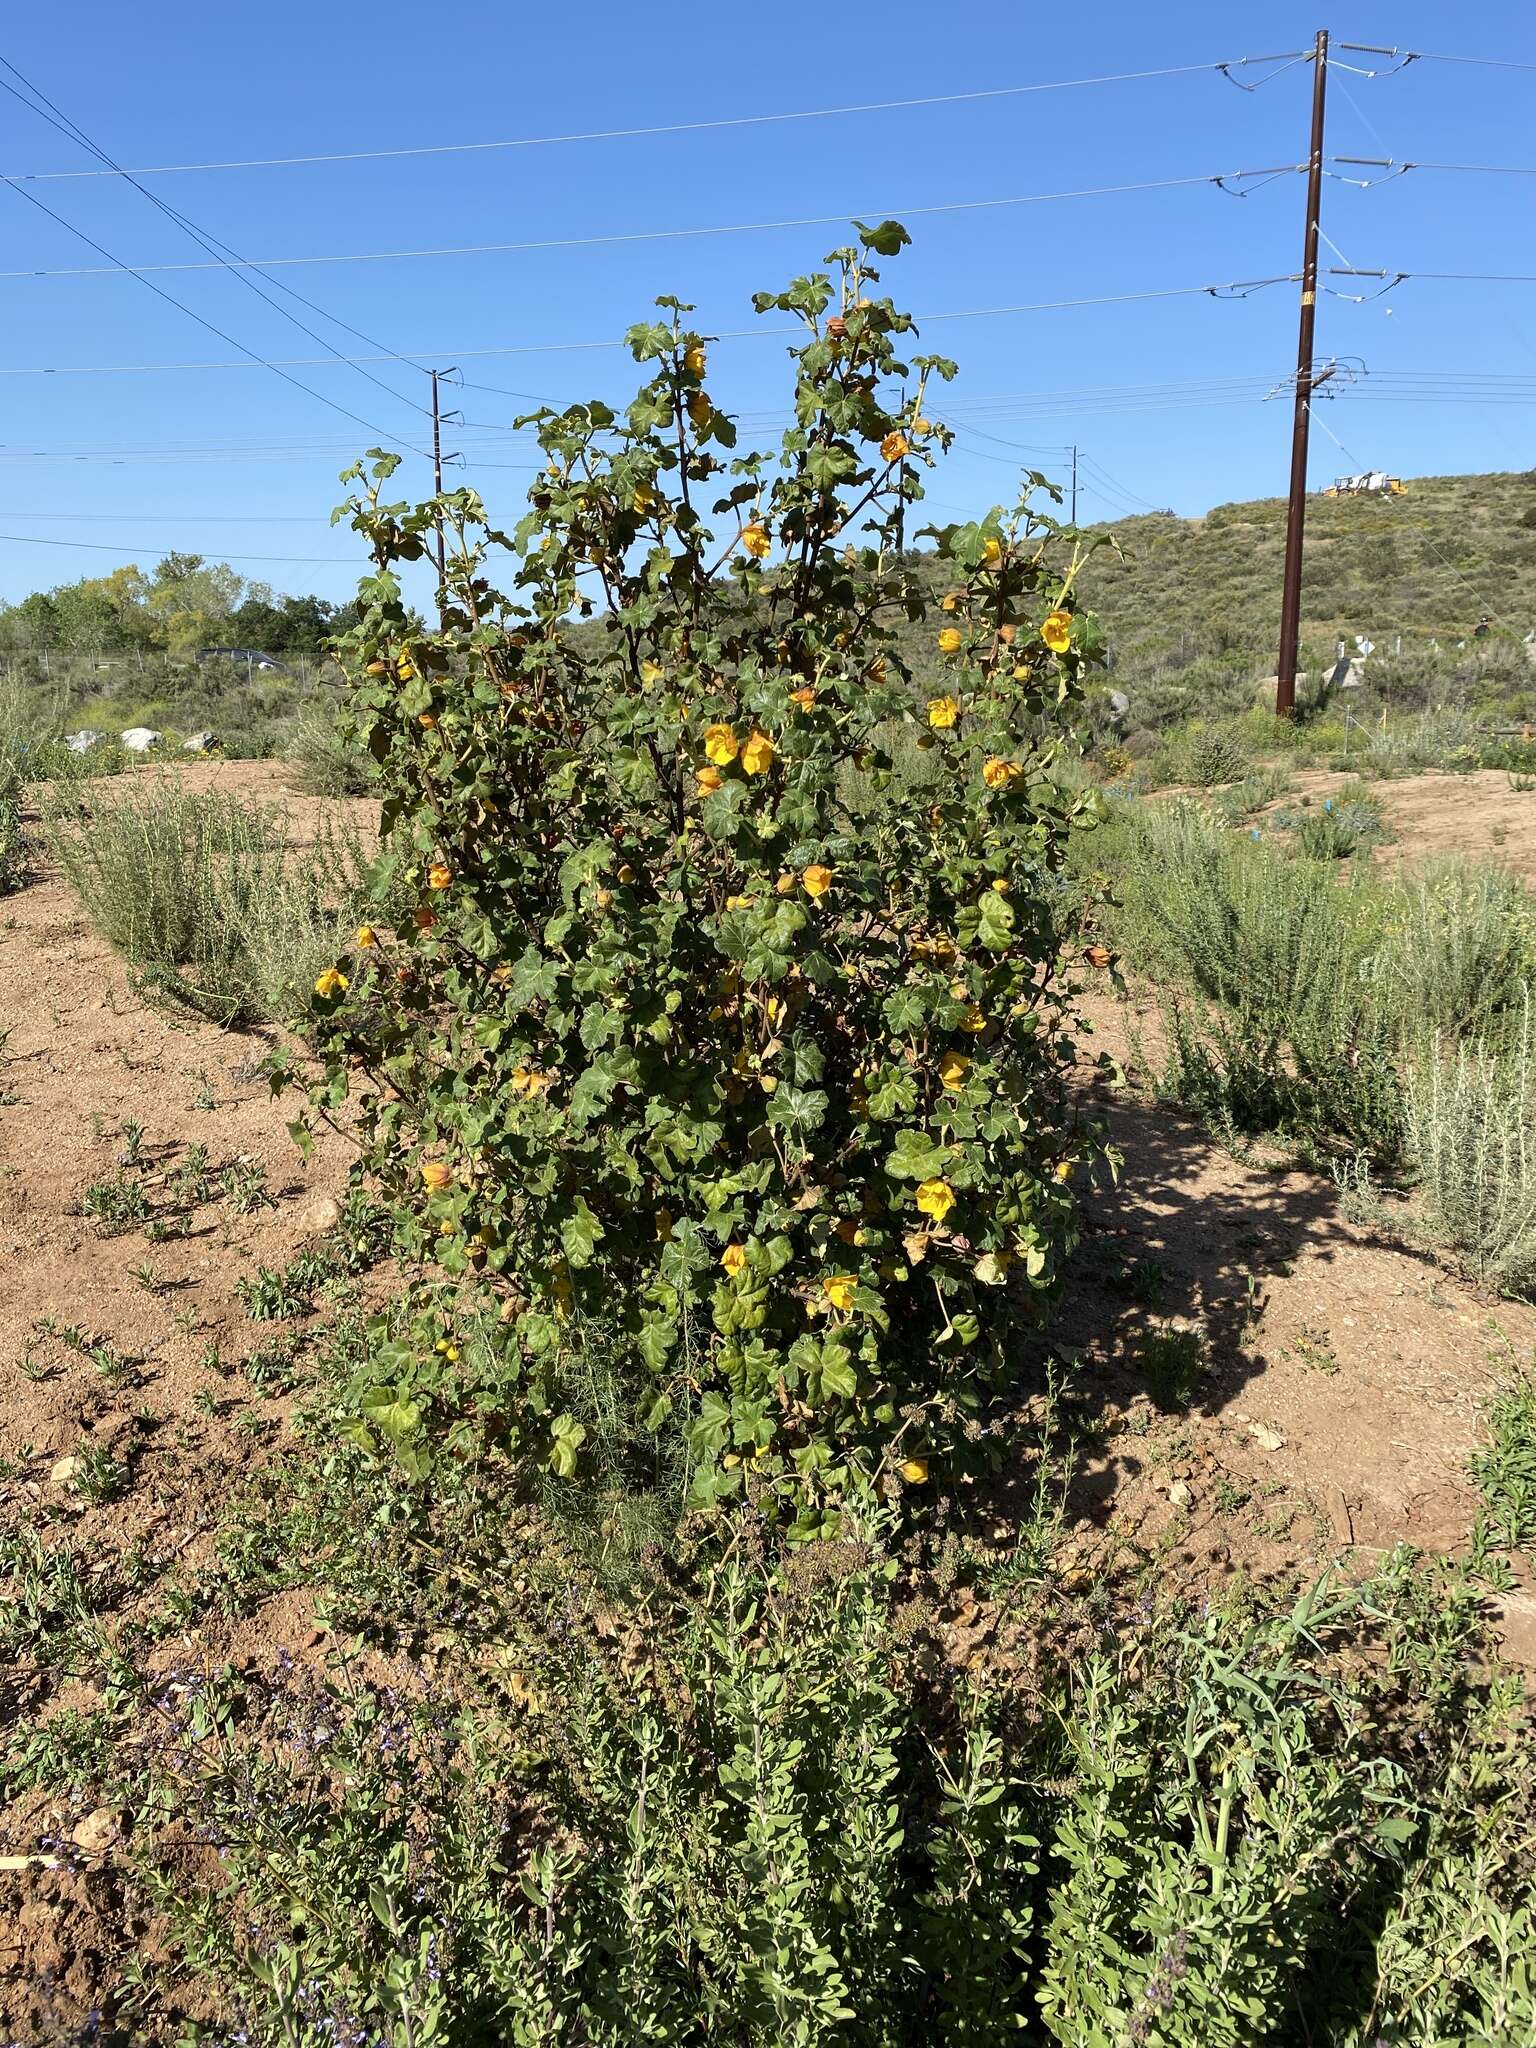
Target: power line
point(1093, 464)
point(663, 128)
point(1407, 57)
point(105, 547)
point(252, 358)
point(1239, 287)
point(842, 216)
point(172, 518)
point(56, 118)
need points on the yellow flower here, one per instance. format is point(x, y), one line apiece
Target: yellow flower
point(694, 359)
point(700, 410)
point(405, 669)
point(439, 876)
point(936, 1198)
point(953, 1068)
point(943, 712)
point(734, 1258)
point(817, 880)
point(1056, 631)
point(950, 601)
point(1022, 672)
point(785, 883)
point(721, 745)
point(997, 773)
point(642, 500)
point(426, 719)
point(991, 551)
point(755, 540)
point(651, 671)
point(914, 1470)
point(332, 983)
point(951, 640)
point(709, 780)
point(805, 697)
point(437, 1174)
point(1062, 1170)
point(975, 1018)
point(894, 446)
point(839, 1289)
point(365, 938)
point(922, 426)
point(757, 754)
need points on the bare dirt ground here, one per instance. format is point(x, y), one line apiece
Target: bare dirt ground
point(1341, 1389)
point(1344, 1376)
point(1479, 814)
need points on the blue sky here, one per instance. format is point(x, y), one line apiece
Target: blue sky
point(236, 464)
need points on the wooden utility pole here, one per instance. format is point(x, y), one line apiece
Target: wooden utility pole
point(1296, 515)
point(1074, 483)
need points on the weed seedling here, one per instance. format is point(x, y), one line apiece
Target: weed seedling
point(116, 1204)
point(1314, 1351)
point(1172, 1361)
point(100, 1477)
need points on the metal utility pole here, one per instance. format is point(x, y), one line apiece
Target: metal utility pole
point(1296, 515)
point(1074, 483)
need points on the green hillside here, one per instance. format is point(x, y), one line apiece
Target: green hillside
point(1190, 608)
point(1426, 564)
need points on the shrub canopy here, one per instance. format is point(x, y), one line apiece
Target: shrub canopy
point(729, 1021)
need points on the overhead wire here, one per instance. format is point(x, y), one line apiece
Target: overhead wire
point(230, 259)
point(105, 547)
point(1240, 287)
point(666, 128)
point(839, 218)
point(1430, 57)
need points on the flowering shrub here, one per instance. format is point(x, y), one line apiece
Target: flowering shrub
point(713, 1027)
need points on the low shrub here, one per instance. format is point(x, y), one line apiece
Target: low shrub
point(1458, 951)
point(329, 763)
point(13, 856)
point(1504, 1471)
point(743, 1821)
point(204, 899)
point(1213, 756)
point(1471, 1124)
point(1290, 1033)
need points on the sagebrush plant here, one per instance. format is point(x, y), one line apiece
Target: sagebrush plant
point(202, 894)
point(1290, 1031)
point(700, 1026)
point(1471, 1115)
